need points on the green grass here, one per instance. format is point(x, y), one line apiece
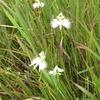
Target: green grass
point(25, 32)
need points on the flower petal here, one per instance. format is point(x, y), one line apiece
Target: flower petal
point(42, 66)
point(36, 5)
point(37, 60)
point(60, 16)
point(66, 23)
point(54, 23)
point(51, 72)
point(41, 4)
point(42, 55)
point(60, 70)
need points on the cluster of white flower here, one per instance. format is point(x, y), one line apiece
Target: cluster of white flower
point(60, 20)
point(42, 64)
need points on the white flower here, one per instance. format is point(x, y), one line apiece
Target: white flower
point(56, 71)
point(38, 4)
point(39, 62)
point(42, 55)
point(59, 21)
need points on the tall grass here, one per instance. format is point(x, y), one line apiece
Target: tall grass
point(25, 32)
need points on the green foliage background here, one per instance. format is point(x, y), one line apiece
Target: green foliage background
point(25, 32)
